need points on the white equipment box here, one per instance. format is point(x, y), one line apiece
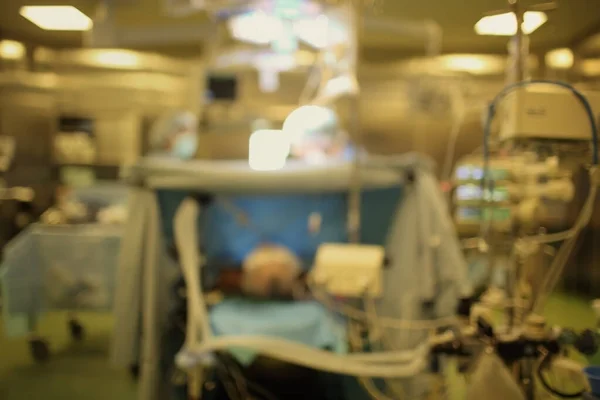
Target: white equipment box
point(546, 112)
point(349, 270)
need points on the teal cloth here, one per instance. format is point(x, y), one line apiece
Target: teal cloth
point(306, 322)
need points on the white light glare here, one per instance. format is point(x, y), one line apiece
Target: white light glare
point(506, 24)
point(472, 63)
point(57, 18)
point(307, 119)
point(335, 88)
point(261, 28)
point(117, 58)
point(11, 50)
point(560, 58)
point(268, 150)
point(268, 80)
point(320, 32)
point(256, 27)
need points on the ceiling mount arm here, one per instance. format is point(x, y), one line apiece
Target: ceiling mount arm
point(520, 50)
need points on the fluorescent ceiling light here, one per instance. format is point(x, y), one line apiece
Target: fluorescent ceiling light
point(57, 18)
point(560, 58)
point(473, 63)
point(116, 58)
point(506, 24)
point(11, 50)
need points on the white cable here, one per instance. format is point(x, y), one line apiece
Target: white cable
point(307, 356)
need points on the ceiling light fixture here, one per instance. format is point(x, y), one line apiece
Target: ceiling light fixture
point(255, 27)
point(560, 58)
point(11, 50)
point(57, 18)
point(473, 63)
point(506, 24)
point(116, 58)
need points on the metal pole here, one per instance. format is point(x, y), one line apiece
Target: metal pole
point(518, 41)
point(354, 209)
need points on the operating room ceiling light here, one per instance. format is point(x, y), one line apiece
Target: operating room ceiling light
point(117, 58)
point(57, 18)
point(506, 24)
point(255, 27)
point(262, 28)
point(560, 58)
point(11, 50)
point(320, 32)
point(472, 63)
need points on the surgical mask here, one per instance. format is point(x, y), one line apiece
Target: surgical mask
point(185, 146)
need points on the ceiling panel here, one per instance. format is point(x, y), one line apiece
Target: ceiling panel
point(573, 20)
point(570, 23)
point(12, 25)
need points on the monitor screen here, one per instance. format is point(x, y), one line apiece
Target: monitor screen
point(220, 87)
point(69, 124)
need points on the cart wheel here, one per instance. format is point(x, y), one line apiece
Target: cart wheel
point(40, 351)
point(77, 330)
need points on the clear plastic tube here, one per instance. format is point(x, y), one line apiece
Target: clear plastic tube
point(570, 236)
point(309, 357)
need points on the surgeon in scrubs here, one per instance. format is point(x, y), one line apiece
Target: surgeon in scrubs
point(175, 135)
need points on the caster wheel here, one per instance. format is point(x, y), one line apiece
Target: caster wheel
point(77, 330)
point(40, 351)
point(134, 371)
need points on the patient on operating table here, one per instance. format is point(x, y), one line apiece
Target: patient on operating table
point(270, 271)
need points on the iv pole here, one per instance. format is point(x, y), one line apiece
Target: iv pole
point(518, 55)
point(354, 209)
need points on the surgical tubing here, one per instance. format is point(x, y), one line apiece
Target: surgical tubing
point(185, 239)
point(309, 357)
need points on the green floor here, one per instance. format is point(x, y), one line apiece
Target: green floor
point(75, 371)
point(80, 371)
